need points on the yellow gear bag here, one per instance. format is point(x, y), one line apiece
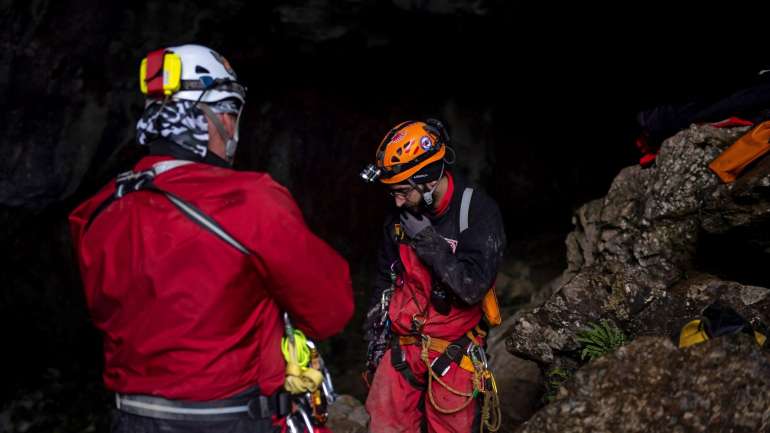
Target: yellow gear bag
point(718, 320)
point(692, 333)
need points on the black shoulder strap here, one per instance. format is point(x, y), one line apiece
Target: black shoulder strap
point(102, 206)
point(126, 182)
point(398, 360)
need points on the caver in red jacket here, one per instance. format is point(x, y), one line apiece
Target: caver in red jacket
point(185, 315)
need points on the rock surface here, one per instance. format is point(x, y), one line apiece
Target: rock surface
point(652, 386)
point(663, 244)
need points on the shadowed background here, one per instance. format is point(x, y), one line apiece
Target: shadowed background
point(540, 107)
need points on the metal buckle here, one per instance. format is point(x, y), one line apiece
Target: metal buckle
point(418, 322)
point(130, 181)
point(454, 352)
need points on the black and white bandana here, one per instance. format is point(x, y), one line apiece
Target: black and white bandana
point(181, 122)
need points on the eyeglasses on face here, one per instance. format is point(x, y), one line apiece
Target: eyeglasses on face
point(400, 192)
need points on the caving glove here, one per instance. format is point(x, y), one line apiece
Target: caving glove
point(413, 224)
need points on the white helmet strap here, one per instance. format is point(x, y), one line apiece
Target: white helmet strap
point(428, 195)
point(231, 142)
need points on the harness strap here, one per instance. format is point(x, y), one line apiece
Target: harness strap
point(465, 206)
point(203, 220)
point(398, 360)
point(226, 86)
point(212, 116)
point(451, 352)
point(455, 352)
point(250, 403)
point(130, 181)
point(441, 346)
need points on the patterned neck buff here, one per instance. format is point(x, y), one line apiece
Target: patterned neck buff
point(180, 122)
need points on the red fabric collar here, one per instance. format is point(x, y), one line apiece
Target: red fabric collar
point(147, 162)
point(444, 205)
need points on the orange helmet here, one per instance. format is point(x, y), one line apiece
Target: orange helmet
point(408, 148)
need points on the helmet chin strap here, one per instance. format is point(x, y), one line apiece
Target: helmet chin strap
point(427, 196)
point(231, 142)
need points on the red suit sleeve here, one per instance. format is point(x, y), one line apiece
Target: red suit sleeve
point(307, 278)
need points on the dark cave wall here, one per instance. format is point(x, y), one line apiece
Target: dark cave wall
point(331, 76)
point(542, 123)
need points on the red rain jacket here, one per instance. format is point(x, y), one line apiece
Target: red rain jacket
point(184, 314)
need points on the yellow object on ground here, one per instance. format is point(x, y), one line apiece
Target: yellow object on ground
point(692, 333)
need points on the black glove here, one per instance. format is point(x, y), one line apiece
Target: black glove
point(412, 224)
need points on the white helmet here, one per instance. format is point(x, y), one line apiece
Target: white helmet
point(207, 67)
point(189, 72)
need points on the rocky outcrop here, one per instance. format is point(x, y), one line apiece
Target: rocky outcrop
point(347, 415)
point(632, 247)
point(521, 284)
point(664, 243)
point(519, 382)
point(652, 386)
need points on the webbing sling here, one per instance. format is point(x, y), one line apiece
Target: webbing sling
point(465, 206)
point(398, 360)
point(455, 351)
point(130, 181)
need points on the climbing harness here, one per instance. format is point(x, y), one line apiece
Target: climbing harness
point(250, 402)
point(467, 353)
